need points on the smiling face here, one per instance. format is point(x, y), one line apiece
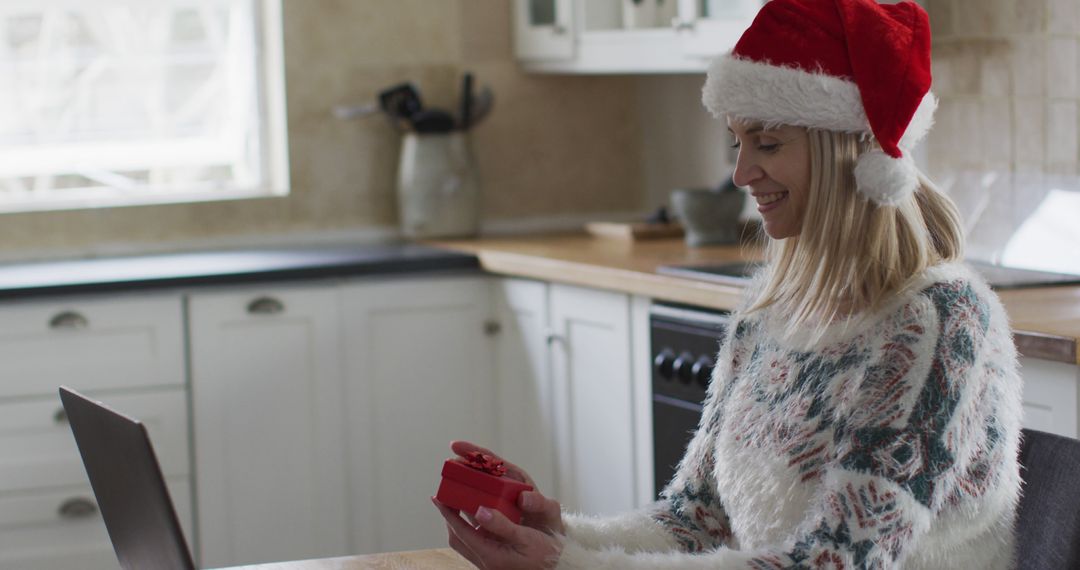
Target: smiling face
point(774, 165)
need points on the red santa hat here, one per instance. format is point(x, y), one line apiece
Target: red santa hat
point(853, 66)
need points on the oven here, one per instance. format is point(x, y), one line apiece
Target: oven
point(684, 342)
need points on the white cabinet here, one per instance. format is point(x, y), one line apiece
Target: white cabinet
point(1051, 396)
point(526, 429)
point(543, 29)
point(128, 352)
point(419, 362)
point(608, 36)
point(269, 424)
point(594, 417)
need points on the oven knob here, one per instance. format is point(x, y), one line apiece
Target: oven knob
point(682, 366)
point(663, 363)
point(702, 371)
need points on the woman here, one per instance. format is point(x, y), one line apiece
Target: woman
point(864, 409)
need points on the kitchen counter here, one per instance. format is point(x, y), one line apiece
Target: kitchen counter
point(21, 280)
point(1046, 320)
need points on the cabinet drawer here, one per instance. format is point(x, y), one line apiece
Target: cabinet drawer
point(34, 536)
point(92, 344)
point(37, 449)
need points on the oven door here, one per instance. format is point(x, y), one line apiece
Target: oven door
point(684, 343)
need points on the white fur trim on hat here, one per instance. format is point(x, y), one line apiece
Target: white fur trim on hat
point(778, 95)
point(885, 180)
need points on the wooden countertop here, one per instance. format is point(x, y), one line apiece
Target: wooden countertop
point(442, 558)
point(1046, 320)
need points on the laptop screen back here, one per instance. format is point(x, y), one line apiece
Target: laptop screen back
point(128, 484)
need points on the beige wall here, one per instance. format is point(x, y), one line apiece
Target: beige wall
point(1006, 72)
point(553, 146)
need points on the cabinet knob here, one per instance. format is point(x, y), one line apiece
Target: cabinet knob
point(492, 327)
point(77, 508)
point(552, 337)
point(60, 416)
point(265, 306)
point(558, 29)
point(68, 320)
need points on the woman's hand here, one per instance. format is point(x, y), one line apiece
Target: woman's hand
point(537, 511)
point(498, 543)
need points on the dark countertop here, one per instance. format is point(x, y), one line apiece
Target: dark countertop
point(22, 280)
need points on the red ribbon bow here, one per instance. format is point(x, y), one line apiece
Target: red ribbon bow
point(486, 463)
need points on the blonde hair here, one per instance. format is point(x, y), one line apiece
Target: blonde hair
point(851, 255)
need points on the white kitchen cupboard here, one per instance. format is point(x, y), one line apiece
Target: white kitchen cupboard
point(127, 351)
point(419, 373)
point(543, 29)
point(588, 36)
point(594, 403)
point(268, 412)
point(526, 428)
point(1051, 396)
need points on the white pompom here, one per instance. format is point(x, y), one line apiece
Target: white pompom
point(884, 179)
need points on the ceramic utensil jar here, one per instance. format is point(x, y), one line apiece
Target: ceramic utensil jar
point(437, 187)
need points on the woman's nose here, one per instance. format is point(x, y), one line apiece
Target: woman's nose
point(746, 171)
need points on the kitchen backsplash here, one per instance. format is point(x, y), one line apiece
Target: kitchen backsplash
point(1005, 144)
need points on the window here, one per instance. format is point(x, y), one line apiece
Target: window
point(123, 102)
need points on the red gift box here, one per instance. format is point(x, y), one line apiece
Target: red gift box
point(466, 486)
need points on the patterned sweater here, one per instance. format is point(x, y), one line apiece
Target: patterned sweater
point(892, 443)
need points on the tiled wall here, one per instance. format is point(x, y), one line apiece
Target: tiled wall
point(554, 146)
point(1007, 73)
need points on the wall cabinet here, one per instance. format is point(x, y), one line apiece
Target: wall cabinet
point(266, 383)
point(610, 36)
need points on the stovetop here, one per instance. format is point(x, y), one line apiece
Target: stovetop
point(999, 277)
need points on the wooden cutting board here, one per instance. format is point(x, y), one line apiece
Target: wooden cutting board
point(634, 230)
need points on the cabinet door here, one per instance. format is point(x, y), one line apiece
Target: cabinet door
point(526, 430)
point(267, 409)
point(711, 27)
point(419, 374)
point(593, 399)
point(1051, 396)
point(543, 29)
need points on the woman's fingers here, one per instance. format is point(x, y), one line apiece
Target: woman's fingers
point(497, 524)
point(541, 512)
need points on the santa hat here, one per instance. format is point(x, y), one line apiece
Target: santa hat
point(854, 66)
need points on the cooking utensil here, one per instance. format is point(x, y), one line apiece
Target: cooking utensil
point(401, 101)
point(432, 121)
point(481, 106)
point(466, 100)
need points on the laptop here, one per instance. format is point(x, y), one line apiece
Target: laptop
point(128, 484)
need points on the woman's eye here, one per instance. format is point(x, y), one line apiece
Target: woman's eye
point(735, 144)
point(768, 147)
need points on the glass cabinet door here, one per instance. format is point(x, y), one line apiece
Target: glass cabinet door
point(543, 29)
point(709, 28)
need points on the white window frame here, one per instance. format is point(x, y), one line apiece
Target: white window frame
point(273, 132)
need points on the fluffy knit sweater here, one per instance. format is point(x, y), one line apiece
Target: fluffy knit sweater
point(890, 443)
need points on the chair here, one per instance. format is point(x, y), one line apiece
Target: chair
point(1048, 522)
